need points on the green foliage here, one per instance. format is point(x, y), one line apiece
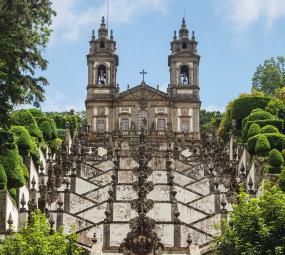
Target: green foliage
point(61, 133)
point(281, 179)
point(54, 145)
point(277, 108)
point(269, 76)
point(268, 170)
point(23, 118)
point(283, 153)
point(25, 29)
point(36, 132)
point(254, 129)
point(7, 140)
point(262, 145)
point(269, 129)
point(3, 178)
point(256, 225)
point(14, 167)
point(239, 109)
point(13, 193)
point(275, 141)
point(275, 158)
point(46, 128)
point(210, 120)
point(280, 94)
point(35, 153)
point(35, 239)
point(37, 113)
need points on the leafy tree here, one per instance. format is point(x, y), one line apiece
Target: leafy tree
point(25, 30)
point(256, 226)
point(210, 120)
point(269, 76)
point(37, 239)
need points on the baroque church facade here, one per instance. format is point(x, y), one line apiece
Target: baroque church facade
point(143, 105)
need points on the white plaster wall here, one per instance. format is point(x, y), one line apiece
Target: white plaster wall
point(123, 212)
point(160, 212)
point(179, 166)
point(102, 179)
point(197, 237)
point(70, 221)
point(23, 191)
point(184, 195)
point(34, 173)
point(43, 160)
point(202, 186)
point(125, 192)
point(158, 177)
point(83, 186)
point(118, 233)
point(182, 179)
point(86, 236)
point(128, 164)
point(208, 225)
point(159, 193)
point(102, 151)
point(105, 165)
point(78, 203)
point(166, 233)
point(189, 215)
point(206, 204)
point(96, 214)
point(11, 208)
point(99, 195)
point(125, 177)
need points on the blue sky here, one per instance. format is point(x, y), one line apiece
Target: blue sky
point(234, 37)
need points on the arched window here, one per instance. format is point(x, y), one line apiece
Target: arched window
point(184, 75)
point(102, 45)
point(102, 75)
point(184, 45)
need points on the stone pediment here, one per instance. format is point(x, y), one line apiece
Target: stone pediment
point(143, 91)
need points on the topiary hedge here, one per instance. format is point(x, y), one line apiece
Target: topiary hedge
point(262, 146)
point(46, 128)
point(281, 179)
point(275, 158)
point(13, 193)
point(275, 141)
point(37, 113)
point(269, 129)
point(7, 140)
point(61, 133)
point(14, 167)
point(23, 118)
point(55, 144)
point(254, 129)
point(3, 178)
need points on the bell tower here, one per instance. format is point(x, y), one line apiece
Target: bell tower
point(184, 65)
point(183, 88)
point(102, 62)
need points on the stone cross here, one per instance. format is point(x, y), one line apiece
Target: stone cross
point(143, 72)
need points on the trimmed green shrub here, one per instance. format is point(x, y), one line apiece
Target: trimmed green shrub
point(35, 153)
point(268, 169)
point(283, 153)
point(46, 128)
point(37, 113)
point(43, 146)
point(275, 158)
point(13, 193)
point(253, 130)
point(243, 106)
point(55, 144)
point(262, 146)
point(269, 129)
point(283, 143)
point(36, 132)
point(23, 118)
point(281, 180)
point(7, 140)
point(3, 178)
point(13, 165)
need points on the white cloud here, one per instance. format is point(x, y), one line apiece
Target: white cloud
point(244, 13)
point(70, 19)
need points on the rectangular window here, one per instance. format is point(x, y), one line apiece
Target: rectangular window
point(185, 124)
point(125, 124)
point(101, 125)
point(161, 124)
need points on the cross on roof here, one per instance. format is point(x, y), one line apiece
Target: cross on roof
point(143, 72)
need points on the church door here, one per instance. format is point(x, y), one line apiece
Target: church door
point(142, 120)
